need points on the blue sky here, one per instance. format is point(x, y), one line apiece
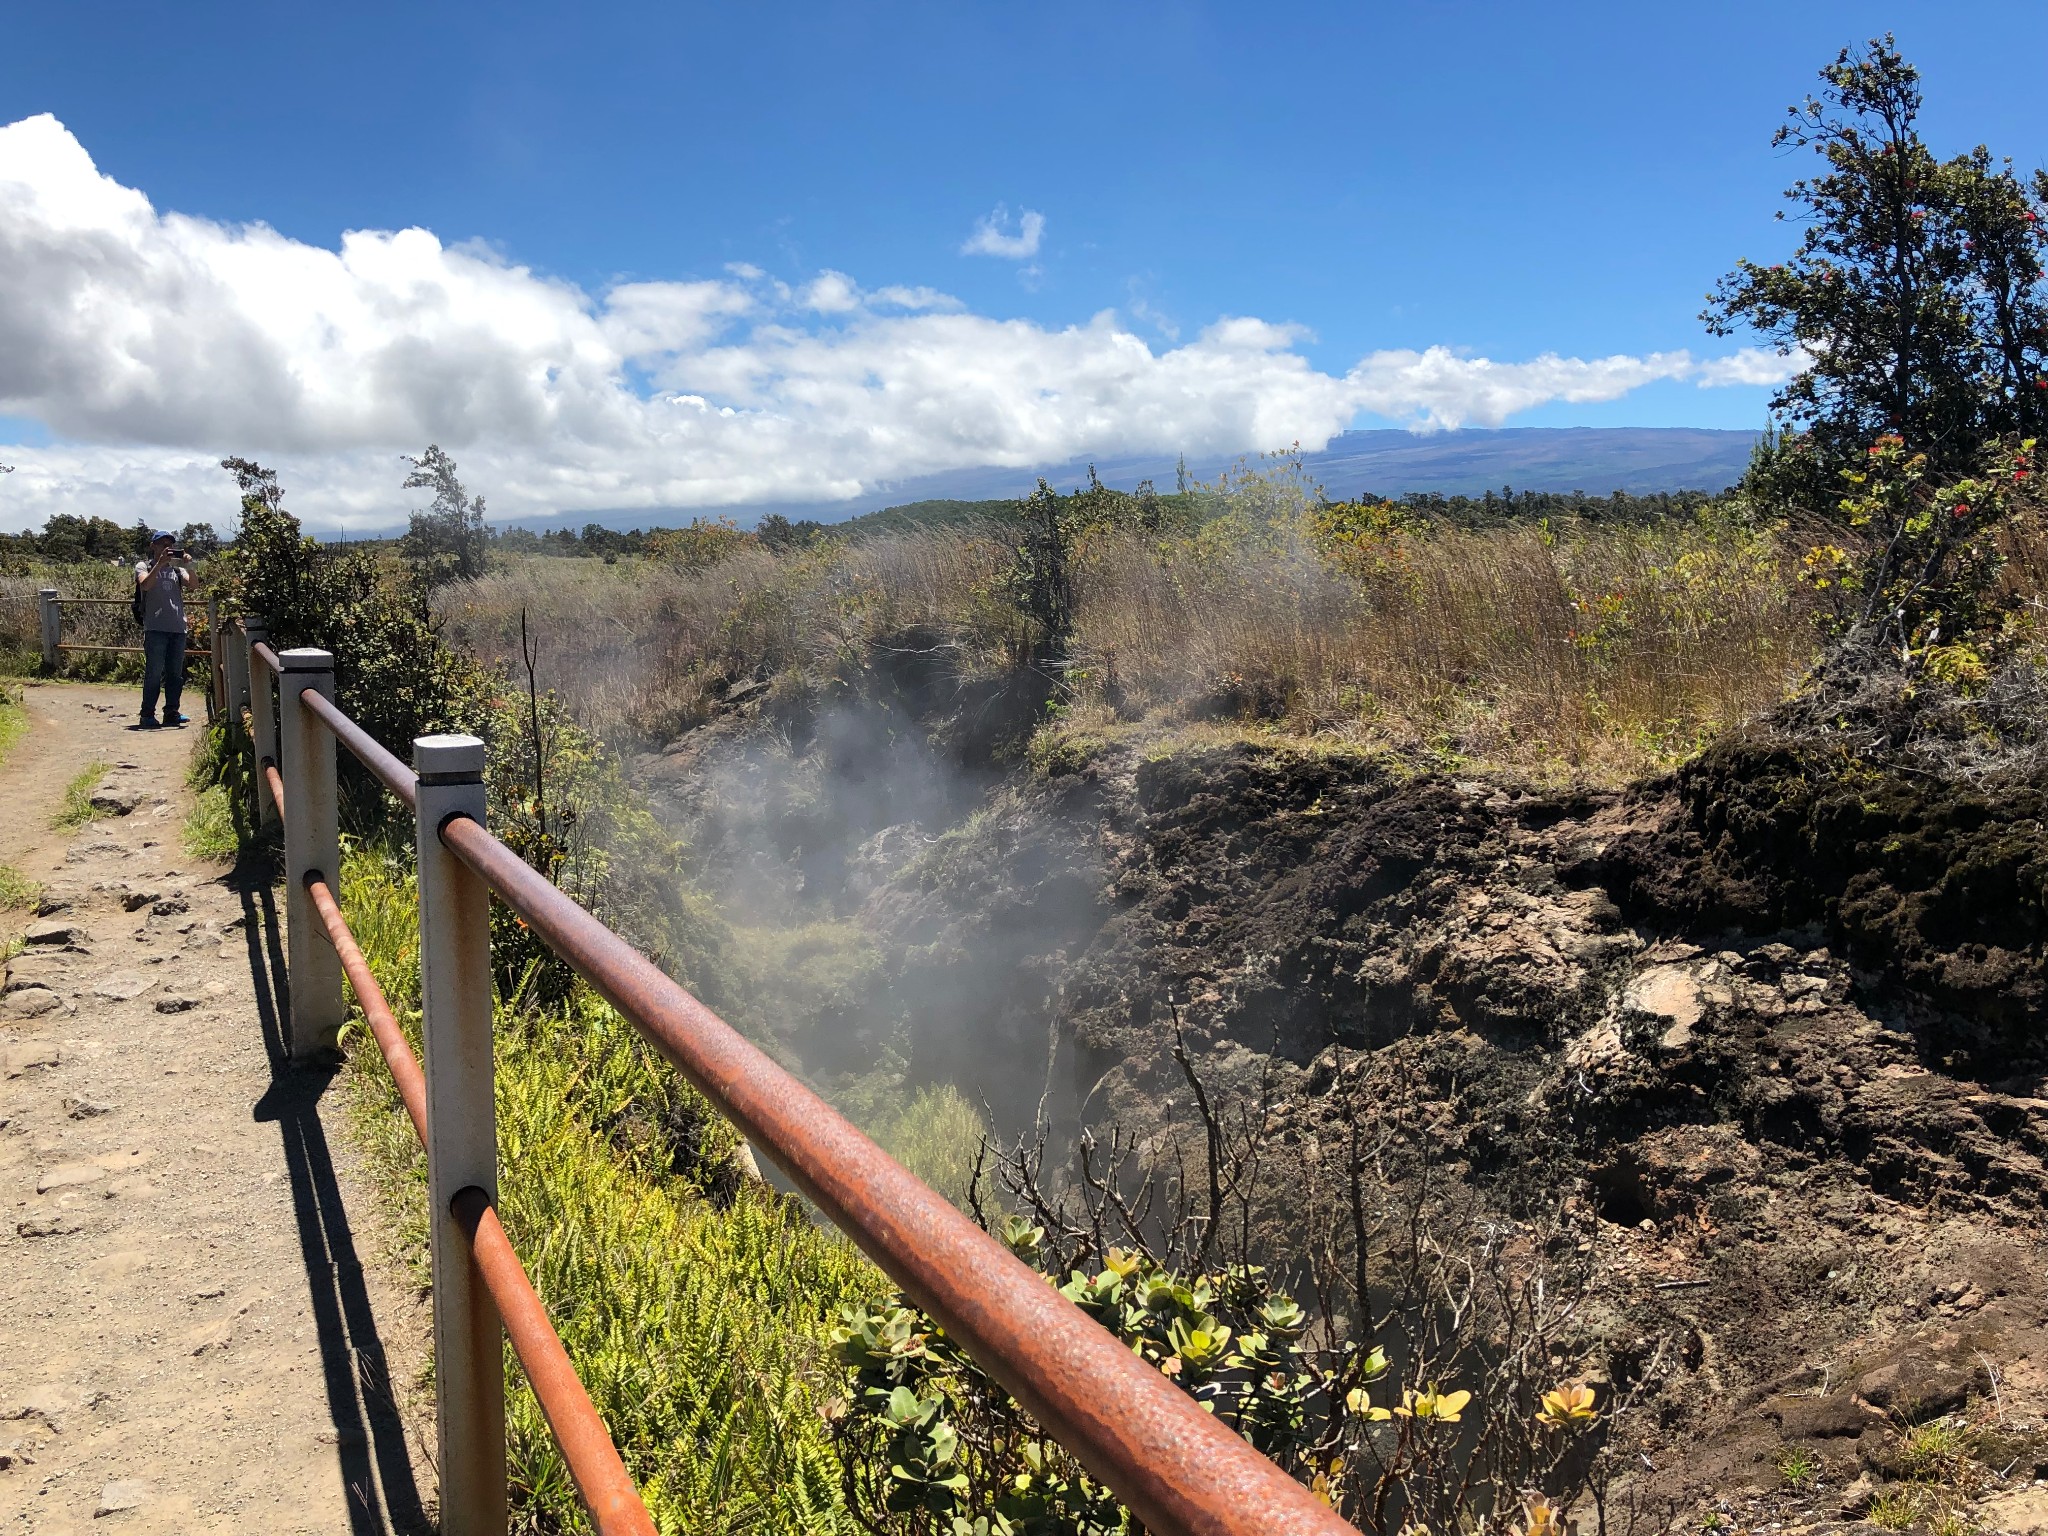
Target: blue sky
point(1505, 181)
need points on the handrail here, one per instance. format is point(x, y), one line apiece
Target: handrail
point(1175, 1466)
point(274, 781)
point(370, 752)
point(410, 1081)
point(602, 1481)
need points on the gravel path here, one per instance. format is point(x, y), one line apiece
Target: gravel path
point(199, 1330)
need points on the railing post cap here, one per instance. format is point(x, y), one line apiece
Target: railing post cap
point(254, 621)
point(306, 658)
point(448, 759)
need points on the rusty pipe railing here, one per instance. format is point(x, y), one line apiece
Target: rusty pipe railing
point(275, 782)
point(1175, 1466)
point(406, 1075)
point(602, 1482)
point(370, 752)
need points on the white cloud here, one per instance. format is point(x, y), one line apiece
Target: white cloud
point(1753, 366)
point(990, 237)
point(151, 344)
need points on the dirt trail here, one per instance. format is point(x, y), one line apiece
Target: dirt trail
point(197, 1331)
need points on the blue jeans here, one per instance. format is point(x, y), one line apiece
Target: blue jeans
point(163, 666)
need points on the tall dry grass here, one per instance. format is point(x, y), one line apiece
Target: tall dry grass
point(1589, 648)
point(640, 650)
point(1592, 648)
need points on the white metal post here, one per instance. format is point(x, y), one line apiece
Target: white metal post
point(312, 842)
point(262, 721)
point(235, 657)
point(216, 661)
point(462, 1137)
point(53, 625)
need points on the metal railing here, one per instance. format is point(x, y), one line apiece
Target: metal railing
point(50, 613)
point(1172, 1464)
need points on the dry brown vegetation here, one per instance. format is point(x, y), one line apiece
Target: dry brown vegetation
point(1579, 649)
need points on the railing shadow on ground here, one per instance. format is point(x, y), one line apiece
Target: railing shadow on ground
point(370, 1439)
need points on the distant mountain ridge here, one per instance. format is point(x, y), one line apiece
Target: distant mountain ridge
point(1389, 462)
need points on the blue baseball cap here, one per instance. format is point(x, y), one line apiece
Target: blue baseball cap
point(161, 534)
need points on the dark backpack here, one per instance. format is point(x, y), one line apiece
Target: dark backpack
point(135, 602)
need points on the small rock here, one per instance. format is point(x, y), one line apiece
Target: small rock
point(22, 1058)
point(115, 799)
point(123, 985)
point(133, 900)
point(170, 906)
point(79, 1107)
point(54, 932)
point(121, 1494)
point(58, 1224)
point(1856, 1497)
point(176, 1002)
point(30, 1003)
point(68, 1176)
point(37, 968)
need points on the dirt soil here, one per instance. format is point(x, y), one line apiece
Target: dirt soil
point(199, 1330)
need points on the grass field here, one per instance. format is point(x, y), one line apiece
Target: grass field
point(1587, 649)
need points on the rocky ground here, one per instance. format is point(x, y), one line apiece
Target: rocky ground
point(197, 1329)
point(1780, 1014)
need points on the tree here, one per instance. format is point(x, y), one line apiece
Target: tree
point(1040, 579)
point(1915, 294)
point(447, 542)
point(199, 540)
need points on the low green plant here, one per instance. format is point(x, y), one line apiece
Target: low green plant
point(1894, 1509)
point(1796, 1464)
point(937, 1136)
point(78, 809)
point(13, 717)
point(17, 892)
point(209, 832)
point(1937, 1451)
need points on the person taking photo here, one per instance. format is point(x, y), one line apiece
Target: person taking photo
point(162, 583)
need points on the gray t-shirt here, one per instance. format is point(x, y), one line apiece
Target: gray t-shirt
point(163, 605)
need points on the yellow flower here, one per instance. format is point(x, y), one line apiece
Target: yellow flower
point(1437, 1404)
point(1567, 1406)
point(1542, 1518)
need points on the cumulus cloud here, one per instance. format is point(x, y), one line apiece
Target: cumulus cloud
point(150, 344)
point(1753, 366)
point(992, 238)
